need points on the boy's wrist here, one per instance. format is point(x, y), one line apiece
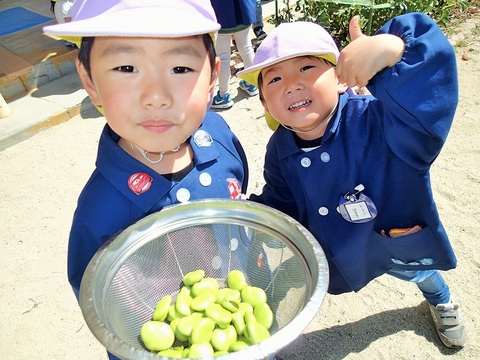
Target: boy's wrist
point(394, 49)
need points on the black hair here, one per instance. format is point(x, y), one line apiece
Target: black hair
point(87, 44)
point(260, 85)
point(84, 53)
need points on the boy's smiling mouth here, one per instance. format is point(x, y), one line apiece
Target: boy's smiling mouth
point(299, 104)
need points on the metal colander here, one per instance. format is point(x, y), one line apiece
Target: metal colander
point(127, 276)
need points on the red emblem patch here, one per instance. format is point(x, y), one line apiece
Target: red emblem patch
point(260, 261)
point(139, 183)
point(234, 188)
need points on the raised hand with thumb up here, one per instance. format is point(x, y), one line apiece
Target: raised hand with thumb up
point(366, 55)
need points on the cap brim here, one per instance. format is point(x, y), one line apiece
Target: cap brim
point(251, 74)
point(271, 122)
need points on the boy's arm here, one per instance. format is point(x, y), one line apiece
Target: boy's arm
point(418, 95)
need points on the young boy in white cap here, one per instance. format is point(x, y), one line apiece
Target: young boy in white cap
point(150, 66)
point(355, 169)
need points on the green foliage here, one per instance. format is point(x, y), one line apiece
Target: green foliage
point(335, 15)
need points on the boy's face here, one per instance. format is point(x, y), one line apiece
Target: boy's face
point(154, 91)
point(301, 92)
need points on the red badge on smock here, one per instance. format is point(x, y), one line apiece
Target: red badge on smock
point(139, 183)
point(234, 188)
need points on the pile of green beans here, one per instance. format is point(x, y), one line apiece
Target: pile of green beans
point(209, 321)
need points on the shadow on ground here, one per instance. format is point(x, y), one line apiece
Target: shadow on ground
point(338, 342)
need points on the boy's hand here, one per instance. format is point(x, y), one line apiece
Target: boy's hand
point(360, 60)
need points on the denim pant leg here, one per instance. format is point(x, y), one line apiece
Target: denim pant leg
point(430, 282)
point(258, 14)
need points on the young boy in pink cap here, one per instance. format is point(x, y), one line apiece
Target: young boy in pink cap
point(150, 66)
point(355, 169)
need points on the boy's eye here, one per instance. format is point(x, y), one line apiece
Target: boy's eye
point(127, 69)
point(275, 79)
point(305, 68)
point(181, 70)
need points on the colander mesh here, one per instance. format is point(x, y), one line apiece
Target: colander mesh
point(156, 269)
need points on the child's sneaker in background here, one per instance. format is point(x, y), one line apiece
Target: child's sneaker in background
point(222, 102)
point(259, 33)
point(248, 88)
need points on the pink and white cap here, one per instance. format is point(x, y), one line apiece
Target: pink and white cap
point(289, 40)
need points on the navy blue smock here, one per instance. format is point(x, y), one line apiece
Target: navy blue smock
point(387, 142)
point(232, 13)
point(108, 205)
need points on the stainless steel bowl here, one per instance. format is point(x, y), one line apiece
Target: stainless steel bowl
point(130, 273)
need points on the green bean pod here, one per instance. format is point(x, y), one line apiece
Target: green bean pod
point(193, 277)
point(255, 332)
point(161, 309)
point(182, 304)
point(240, 344)
point(236, 280)
point(201, 302)
point(201, 350)
point(239, 322)
point(263, 314)
point(171, 353)
point(157, 335)
point(186, 324)
point(202, 331)
point(222, 339)
point(253, 295)
point(217, 313)
point(205, 285)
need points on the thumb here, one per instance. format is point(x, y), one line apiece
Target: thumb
point(354, 28)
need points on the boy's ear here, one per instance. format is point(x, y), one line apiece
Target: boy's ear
point(264, 103)
point(87, 83)
point(214, 77)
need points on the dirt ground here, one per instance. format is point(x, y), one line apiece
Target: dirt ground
point(388, 319)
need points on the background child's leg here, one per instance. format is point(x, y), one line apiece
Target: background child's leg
point(62, 11)
point(224, 52)
point(244, 46)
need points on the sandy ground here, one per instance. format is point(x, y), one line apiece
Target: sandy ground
point(388, 319)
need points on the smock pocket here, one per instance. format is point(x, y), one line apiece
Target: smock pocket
point(417, 251)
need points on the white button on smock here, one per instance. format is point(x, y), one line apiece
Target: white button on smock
point(325, 157)
point(306, 162)
point(323, 211)
point(183, 195)
point(205, 179)
point(216, 262)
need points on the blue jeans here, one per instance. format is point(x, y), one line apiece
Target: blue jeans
point(430, 282)
point(258, 15)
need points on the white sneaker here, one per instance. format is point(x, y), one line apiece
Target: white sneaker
point(449, 324)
